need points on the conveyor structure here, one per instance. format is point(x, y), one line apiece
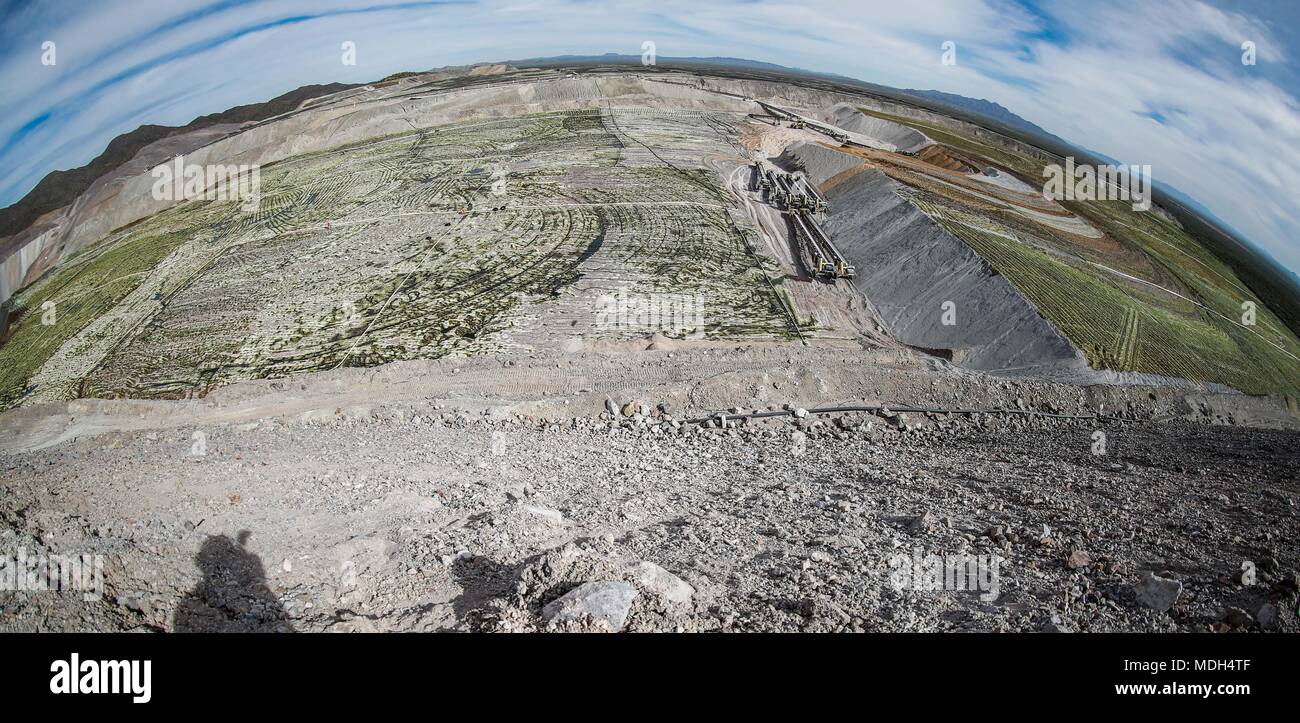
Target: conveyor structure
point(800, 202)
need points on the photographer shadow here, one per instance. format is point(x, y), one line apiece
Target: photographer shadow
point(233, 596)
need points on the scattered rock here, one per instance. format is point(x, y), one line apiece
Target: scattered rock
point(1266, 616)
point(664, 584)
point(606, 602)
point(1288, 586)
point(849, 422)
point(1158, 593)
point(631, 408)
point(921, 524)
point(1056, 625)
point(797, 441)
point(1238, 618)
point(356, 624)
point(450, 560)
point(134, 601)
point(1078, 559)
point(555, 517)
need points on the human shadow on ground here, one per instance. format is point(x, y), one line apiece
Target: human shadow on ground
point(233, 595)
point(482, 579)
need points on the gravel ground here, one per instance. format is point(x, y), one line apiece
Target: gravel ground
point(451, 520)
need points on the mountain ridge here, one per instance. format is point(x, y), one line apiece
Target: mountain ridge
point(58, 188)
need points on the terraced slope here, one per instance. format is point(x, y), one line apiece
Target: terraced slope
point(483, 236)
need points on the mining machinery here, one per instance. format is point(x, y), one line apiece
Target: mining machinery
point(799, 201)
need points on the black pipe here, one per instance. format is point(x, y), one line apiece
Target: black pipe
point(914, 410)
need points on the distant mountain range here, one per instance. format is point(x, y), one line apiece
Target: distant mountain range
point(59, 188)
point(986, 108)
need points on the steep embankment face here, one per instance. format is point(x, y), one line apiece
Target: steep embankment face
point(902, 138)
point(910, 267)
point(29, 254)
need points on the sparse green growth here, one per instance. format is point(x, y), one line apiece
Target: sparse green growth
point(470, 238)
point(1119, 329)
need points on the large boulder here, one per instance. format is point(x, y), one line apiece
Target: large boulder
point(1158, 593)
point(604, 602)
point(663, 584)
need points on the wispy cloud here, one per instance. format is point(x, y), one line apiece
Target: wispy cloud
point(1151, 83)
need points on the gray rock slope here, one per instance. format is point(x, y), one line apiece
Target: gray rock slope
point(901, 137)
point(909, 266)
point(819, 163)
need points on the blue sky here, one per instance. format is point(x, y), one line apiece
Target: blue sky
point(1158, 83)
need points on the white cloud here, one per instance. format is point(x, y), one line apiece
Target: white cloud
point(1230, 138)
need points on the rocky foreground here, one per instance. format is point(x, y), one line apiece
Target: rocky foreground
point(632, 521)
